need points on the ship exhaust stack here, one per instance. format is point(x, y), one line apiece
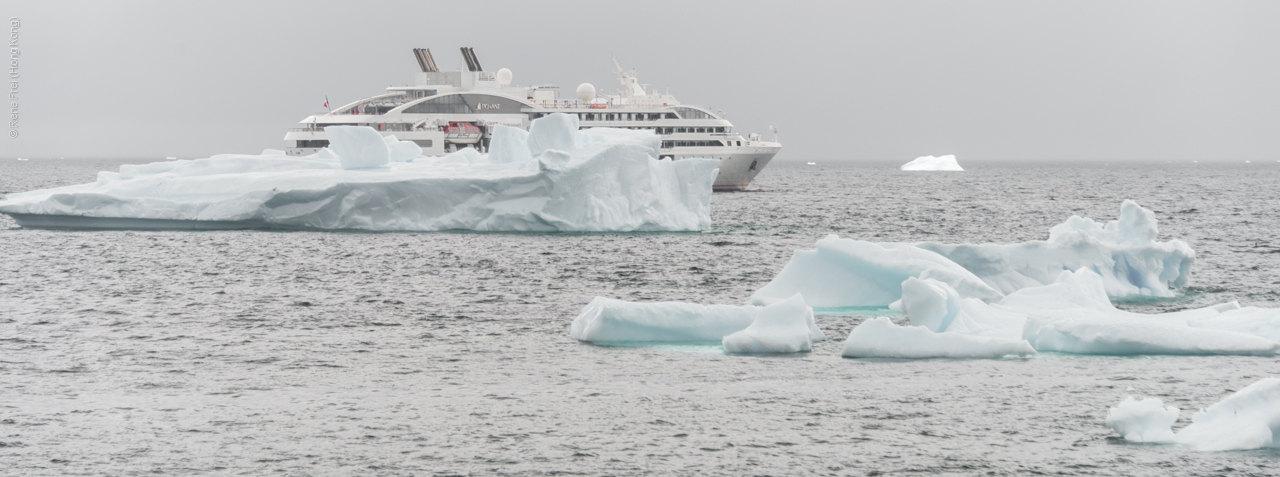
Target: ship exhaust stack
point(469, 54)
point(425, 61)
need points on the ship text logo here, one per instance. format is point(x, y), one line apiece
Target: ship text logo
point(482, 106)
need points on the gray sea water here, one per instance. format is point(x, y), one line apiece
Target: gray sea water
point(309, 353)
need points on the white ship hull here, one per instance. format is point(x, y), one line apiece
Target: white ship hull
point(432, 113)
point(737, 168)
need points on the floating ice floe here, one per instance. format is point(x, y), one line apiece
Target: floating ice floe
point(1124, 252)
point(880, 338)
point(1146, 420)
point(553, 178)
point(1073, 315)
point(786, 326)
point(974, 301)
point(930, 163)
point(1247, 419)
point(943, 325)
point(845, 272)
point(610, 320)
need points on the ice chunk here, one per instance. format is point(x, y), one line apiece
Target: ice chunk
point(1147, 420)
point(880, 338)
point(930, 163)
point(1123, 251)
point(358, 147)
point(557, 131)
point(606, 320)
point(783, 327)
point(509, 145)
point(930, 303)
point(613, 182)
point(936, 306)
point(401, 151)
point(1248, 419)
point(844, 272)
point(1073, 315)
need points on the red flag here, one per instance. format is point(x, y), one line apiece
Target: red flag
point(326, 103)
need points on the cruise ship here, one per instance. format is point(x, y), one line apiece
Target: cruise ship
point(445, 111)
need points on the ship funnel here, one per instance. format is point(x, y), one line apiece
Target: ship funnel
point(469, 54)
point(425, 61)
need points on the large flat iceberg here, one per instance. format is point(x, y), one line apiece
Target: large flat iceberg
point(554, 178)
point(1247, 419)
point(931, 163)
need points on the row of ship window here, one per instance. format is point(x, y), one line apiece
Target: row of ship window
point(666, 131)
point(618, 116)
point(671, 144)
point(427, 143)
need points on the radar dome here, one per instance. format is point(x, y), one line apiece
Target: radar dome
point(586, 92)
point(504, 77)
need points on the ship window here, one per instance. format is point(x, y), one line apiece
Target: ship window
point(739, 143)
point(693, 113)
point(467, 104)
point(680, 130)
point(702, 130)
point(452, 104)
point(422, 142)
point(719, 130)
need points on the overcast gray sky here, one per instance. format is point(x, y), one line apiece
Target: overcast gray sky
point(846, 80)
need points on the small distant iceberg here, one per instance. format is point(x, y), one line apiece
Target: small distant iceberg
point(931, 163)
point(1247, 419)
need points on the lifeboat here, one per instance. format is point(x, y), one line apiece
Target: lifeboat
point(459, 132)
